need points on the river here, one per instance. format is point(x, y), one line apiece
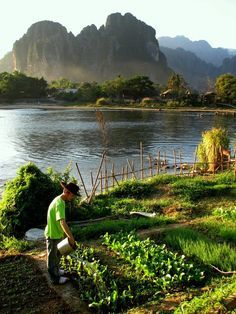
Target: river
point(55, 137)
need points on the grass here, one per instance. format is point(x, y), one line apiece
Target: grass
point(193, 243)
point(217, 228)
point(112, 226)
point(211, 301)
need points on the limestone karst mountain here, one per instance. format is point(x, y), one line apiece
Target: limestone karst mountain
point(123, 46)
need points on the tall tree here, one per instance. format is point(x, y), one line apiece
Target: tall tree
point(226, 88)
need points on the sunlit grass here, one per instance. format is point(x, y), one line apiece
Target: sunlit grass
point(193, 243)
point(211, 301)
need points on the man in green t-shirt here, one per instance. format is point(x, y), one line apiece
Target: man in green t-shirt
point(56, 229)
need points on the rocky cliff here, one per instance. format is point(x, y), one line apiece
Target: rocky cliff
point(123, 46)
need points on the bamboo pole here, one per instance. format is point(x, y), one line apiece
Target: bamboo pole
point(195, 159)
point(113, 174)
point(150, 164)
point(91, 176)
point(235, 164)
point(95, 183)
point(101, 186)
point(180, 163)
point(174, 155)
point(141, 160)
point(106, 180)
point(134, 176)
point(123, 173)
point(158, 162)
point(81, 178)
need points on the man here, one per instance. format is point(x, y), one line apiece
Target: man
point(56, 229)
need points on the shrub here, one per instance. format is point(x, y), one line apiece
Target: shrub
point(103, 101)
point(132, 188)
point(209, 151)
point(25, 200)
point(147, 101)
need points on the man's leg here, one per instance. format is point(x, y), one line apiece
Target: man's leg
point(53, 260)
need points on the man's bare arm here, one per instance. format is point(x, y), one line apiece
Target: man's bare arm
point(67, 231)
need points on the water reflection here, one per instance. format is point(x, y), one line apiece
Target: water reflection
point(55, 137)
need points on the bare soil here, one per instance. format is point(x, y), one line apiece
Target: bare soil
point(25, 287)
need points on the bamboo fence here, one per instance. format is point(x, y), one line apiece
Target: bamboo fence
point(108, 175)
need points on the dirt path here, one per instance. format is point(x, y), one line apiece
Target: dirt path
point(67, 292)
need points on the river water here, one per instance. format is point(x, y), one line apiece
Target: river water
point(55, 137)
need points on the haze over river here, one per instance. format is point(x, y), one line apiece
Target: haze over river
point(54, 137)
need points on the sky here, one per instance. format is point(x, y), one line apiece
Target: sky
point(210, 20)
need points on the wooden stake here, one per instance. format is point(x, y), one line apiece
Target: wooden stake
point(95, 183)
point(150, 164)
point(91, 176)
point(174, 154)
point(113, 174)
point(141, 159)
point(132, 171)
point(101, 185)
point(81, 178)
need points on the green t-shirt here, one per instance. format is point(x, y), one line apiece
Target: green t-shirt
point(56, 212)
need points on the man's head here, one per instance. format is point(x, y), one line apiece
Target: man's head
point(70, 190)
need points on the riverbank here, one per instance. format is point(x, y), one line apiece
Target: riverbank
point(63, 106)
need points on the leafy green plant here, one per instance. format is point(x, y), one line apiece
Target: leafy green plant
point(229, 213)
point(97, 284)
point(167, 269)
point(211, 301)
point(12, 244)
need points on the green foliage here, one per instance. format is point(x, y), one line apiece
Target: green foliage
point(226, 213)
point(25, 200)
point(147, 102)
point(211, 301)
point(18, 85)
point(226, 88)
point(138, 87)
point(192, 189)
point(218, 227)
point(178, 85)
point(97, 229)
point(132, 188)
point(165, 268)
point(209, 151)
point(193, 243)
point(98, 285)
point(11, 244)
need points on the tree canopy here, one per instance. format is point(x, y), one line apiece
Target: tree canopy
point(226, 88)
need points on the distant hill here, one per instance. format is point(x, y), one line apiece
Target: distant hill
point(200, 48)
point(195, 71)
point(123, 46)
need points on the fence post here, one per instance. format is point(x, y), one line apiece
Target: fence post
point(141, 159)
point(174, 155)
point(150, 164)
point(95, 186)
point(132, 170)
point(81, 178)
